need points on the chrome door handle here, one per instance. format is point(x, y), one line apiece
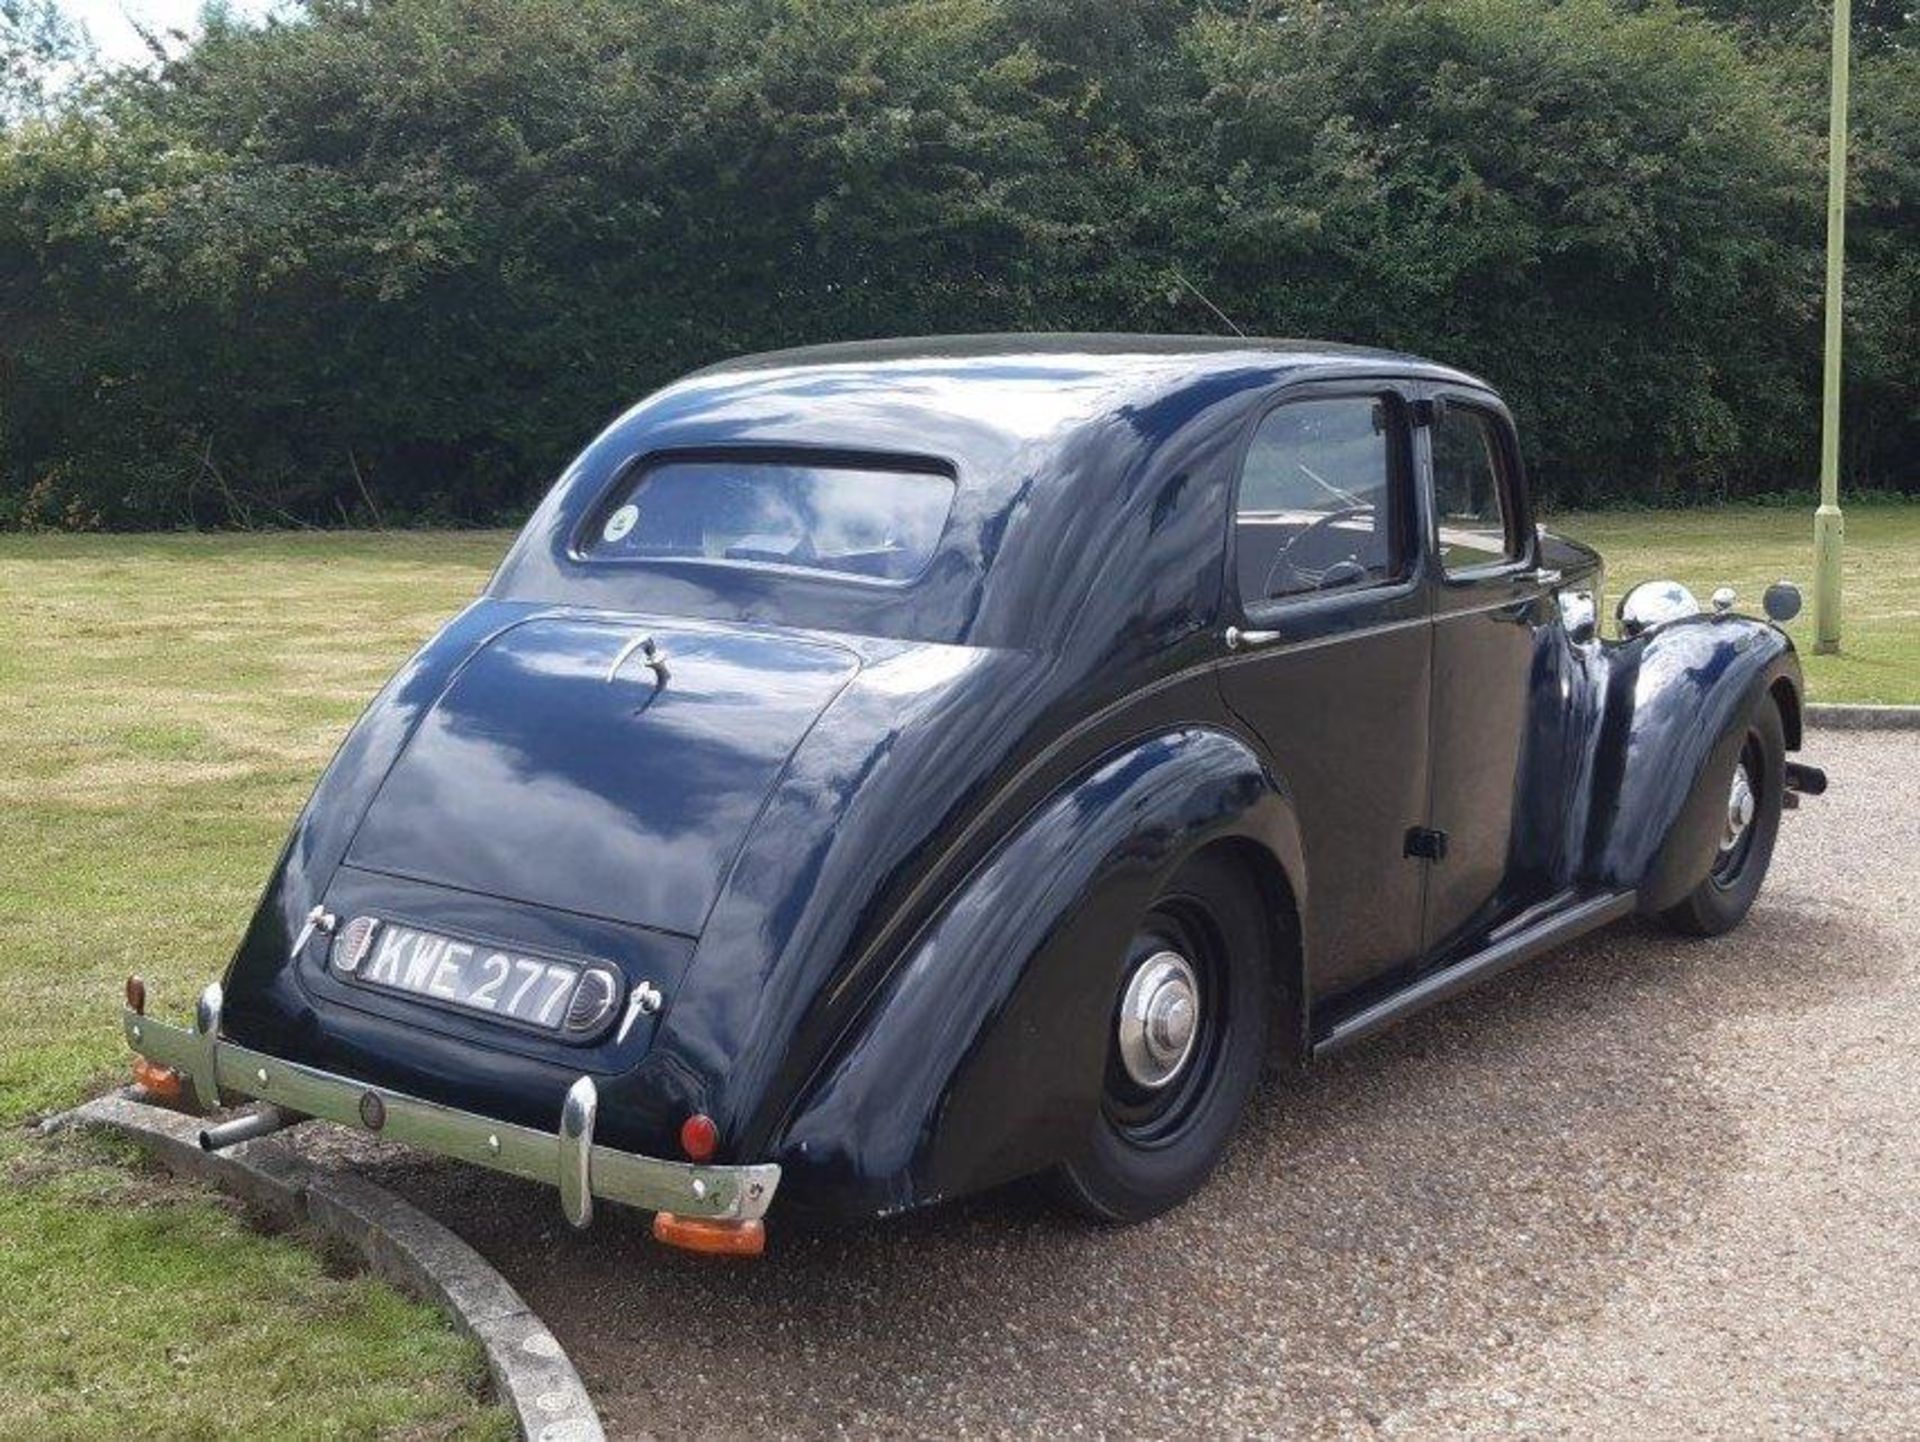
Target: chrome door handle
point(1241, 640)
point(1545, 576)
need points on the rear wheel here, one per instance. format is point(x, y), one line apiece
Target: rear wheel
point(1754, 798)
point(1187, 1035)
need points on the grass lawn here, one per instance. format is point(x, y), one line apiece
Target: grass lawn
point(1748, 548)
point(166, 704)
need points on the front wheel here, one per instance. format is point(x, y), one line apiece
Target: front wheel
point(1187, 1035)
point(1754, 798)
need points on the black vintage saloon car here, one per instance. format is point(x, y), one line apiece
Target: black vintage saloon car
point(882, 771)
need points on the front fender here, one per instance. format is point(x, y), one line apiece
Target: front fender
point(982, 1058)
point(1676, 699)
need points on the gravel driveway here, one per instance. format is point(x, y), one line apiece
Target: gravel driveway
point(1643, 1188)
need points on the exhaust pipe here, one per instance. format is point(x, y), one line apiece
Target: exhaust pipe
point(1807, 780)
point(261, 1121)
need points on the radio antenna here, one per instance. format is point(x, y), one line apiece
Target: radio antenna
point(1201, 296)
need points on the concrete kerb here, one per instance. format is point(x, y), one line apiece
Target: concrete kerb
point(1864, 718)
point(532, 1373)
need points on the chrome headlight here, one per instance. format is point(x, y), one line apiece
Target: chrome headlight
point(1651, 602)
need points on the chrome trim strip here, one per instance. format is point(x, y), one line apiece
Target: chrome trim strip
point(719, 1193)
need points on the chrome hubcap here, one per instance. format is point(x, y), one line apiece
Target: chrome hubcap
point(1159, 1019)
point(1740, 808)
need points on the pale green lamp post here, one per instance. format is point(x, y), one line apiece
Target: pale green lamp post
point(1828, 529)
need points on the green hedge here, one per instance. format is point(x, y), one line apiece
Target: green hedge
point(397, 259)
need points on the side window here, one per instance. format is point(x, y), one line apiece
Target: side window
point(1468, 498)
point(1317, 504)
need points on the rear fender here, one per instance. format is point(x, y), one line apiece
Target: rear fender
point(982, 1058)
point(1671, 728)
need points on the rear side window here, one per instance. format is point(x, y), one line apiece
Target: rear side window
point(847, 520)
point(1316, 510)
point(1469, 501)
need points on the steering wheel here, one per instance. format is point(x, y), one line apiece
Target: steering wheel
point(1340, 571)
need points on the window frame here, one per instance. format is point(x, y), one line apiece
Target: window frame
point(631, 474)
point(1402, 495)
point(1521, 541)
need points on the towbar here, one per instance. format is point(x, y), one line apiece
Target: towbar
point(568, 1159)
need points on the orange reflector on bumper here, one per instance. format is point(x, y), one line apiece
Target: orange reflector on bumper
point(162, 1083)
point(720, 1239)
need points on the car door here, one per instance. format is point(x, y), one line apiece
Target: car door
point(1492, 615)
point(1330, 663)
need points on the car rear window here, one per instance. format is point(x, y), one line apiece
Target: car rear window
point(848, 520)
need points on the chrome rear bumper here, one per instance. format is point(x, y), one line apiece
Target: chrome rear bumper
point(567, 1159)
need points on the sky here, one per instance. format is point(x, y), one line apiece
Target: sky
point(117, 41)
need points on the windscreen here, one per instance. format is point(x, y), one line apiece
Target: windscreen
point(846, 520)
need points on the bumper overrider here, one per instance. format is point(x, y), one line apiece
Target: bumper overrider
point(684, 1193)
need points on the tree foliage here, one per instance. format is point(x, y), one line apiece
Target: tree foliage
point(36, 41)
point(397, 258)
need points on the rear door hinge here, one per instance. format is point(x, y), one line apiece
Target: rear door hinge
point(1426, 843)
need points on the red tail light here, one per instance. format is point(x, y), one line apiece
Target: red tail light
point(699, 1136)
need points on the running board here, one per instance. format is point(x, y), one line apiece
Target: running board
point(1523, 945)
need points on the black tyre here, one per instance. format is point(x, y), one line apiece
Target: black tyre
point(1186, 1039)
point(1758, 784)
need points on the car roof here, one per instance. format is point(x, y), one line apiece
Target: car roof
point(968, 397)
point(1122, 354)
point(1057, 441)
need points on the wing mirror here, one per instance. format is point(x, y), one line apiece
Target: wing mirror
point(1781, 602)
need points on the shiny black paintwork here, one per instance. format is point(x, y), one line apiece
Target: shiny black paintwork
point(881, 846)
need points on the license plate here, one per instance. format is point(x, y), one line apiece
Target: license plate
point(534, 990)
